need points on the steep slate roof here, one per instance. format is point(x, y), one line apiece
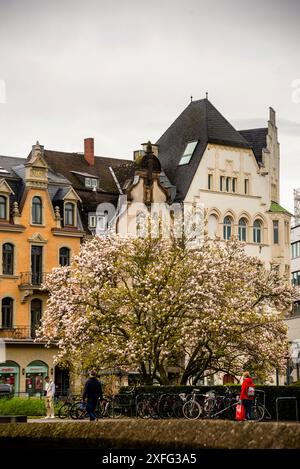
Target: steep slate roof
point(199, 121)
point(257, 139)
point(7, 162)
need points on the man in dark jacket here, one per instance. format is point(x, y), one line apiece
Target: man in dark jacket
point(92, 392)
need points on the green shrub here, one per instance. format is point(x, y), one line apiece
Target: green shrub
point(22, 406)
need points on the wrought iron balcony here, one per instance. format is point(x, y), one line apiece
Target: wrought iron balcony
point(17, 332)
point(32, 280)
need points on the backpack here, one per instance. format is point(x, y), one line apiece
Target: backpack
point(250, 391)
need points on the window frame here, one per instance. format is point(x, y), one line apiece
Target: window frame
point(64, 256)
point(94, 217)
point(88, 182)
point(210, 181)
point(67, 211)
point(3, 203)
point(242, 229)
point(257, 230)
point(296, 278)
point(7, 324)
point(234, 185)
point(34, 206)
point(5, 261)
point(222, 180)
point(227, 228)
point(275, 224)
point(228, 184)
point(295, 249)
point(186, 157)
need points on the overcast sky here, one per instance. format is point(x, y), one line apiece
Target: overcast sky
point(122, 70)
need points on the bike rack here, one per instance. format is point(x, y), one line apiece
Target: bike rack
point(294, 399)
point(260, 392)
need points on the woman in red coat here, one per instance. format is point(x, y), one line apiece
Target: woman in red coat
point(247, 394)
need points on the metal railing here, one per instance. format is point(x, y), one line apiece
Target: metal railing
point(32, 279)
point(16, 332)
point(292, 401)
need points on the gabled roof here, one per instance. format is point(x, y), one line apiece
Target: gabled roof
point(199, 121)
point(67, 163)
point(257, 139)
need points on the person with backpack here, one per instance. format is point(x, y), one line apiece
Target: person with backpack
point(247, 394)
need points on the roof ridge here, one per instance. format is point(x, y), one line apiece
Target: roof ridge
point(254, 128)
point(82, 154)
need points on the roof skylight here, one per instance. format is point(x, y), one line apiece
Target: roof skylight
point(188, 152)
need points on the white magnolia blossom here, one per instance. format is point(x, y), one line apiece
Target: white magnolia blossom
point(151, 303)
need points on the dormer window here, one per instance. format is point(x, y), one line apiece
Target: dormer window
point(69, 214)
point(188, 153)
point(36, 210)
point(3, 209)
point(91, 182)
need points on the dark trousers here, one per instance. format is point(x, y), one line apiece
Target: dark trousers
point(91, 407)
point(247, 403)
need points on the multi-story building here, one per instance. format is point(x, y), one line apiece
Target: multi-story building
point(293, 321)
point(40, 228)
point(234, 174)
point(201, 158)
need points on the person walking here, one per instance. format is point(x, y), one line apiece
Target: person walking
point(247, 394)
point(92, 392)
point(49, 394)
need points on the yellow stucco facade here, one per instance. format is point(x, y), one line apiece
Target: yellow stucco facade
point(36, 236)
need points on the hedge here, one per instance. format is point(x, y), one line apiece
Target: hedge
point(22, 406)
point(286, 408)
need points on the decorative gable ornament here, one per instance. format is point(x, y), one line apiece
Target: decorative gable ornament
point(37, 238)
point(36, 174)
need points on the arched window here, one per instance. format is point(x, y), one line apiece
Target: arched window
point(242, 229)
point(227, 228)
point(37, 210)
point(212, 226)
point(36, 315)
point(7, 259)
point(69, 214)
point(64, 256)
point(257, 231)
point(7, 313)
point(3, 207)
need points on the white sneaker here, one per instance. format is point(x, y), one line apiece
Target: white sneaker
point(52, 417)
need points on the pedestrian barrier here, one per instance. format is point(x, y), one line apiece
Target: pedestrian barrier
point(291, 399)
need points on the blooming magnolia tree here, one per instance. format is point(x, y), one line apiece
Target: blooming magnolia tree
point(153, 304)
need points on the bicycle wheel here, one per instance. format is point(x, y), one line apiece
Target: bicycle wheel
point(258, 413)
point(64, 411)
point(209, 406)
point(114, 409)
point(143, 409)
point(78, 411)
point(192, 410)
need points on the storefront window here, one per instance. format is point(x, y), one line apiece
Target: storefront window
point(10, 374)
point(35, 375)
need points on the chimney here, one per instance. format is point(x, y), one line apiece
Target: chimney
point(89, 151)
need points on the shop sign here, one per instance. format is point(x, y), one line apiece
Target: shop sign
point(36, 369)
point(10, 369)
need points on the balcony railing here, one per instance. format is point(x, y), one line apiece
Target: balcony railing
point(17, 332)
point(32, 280)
